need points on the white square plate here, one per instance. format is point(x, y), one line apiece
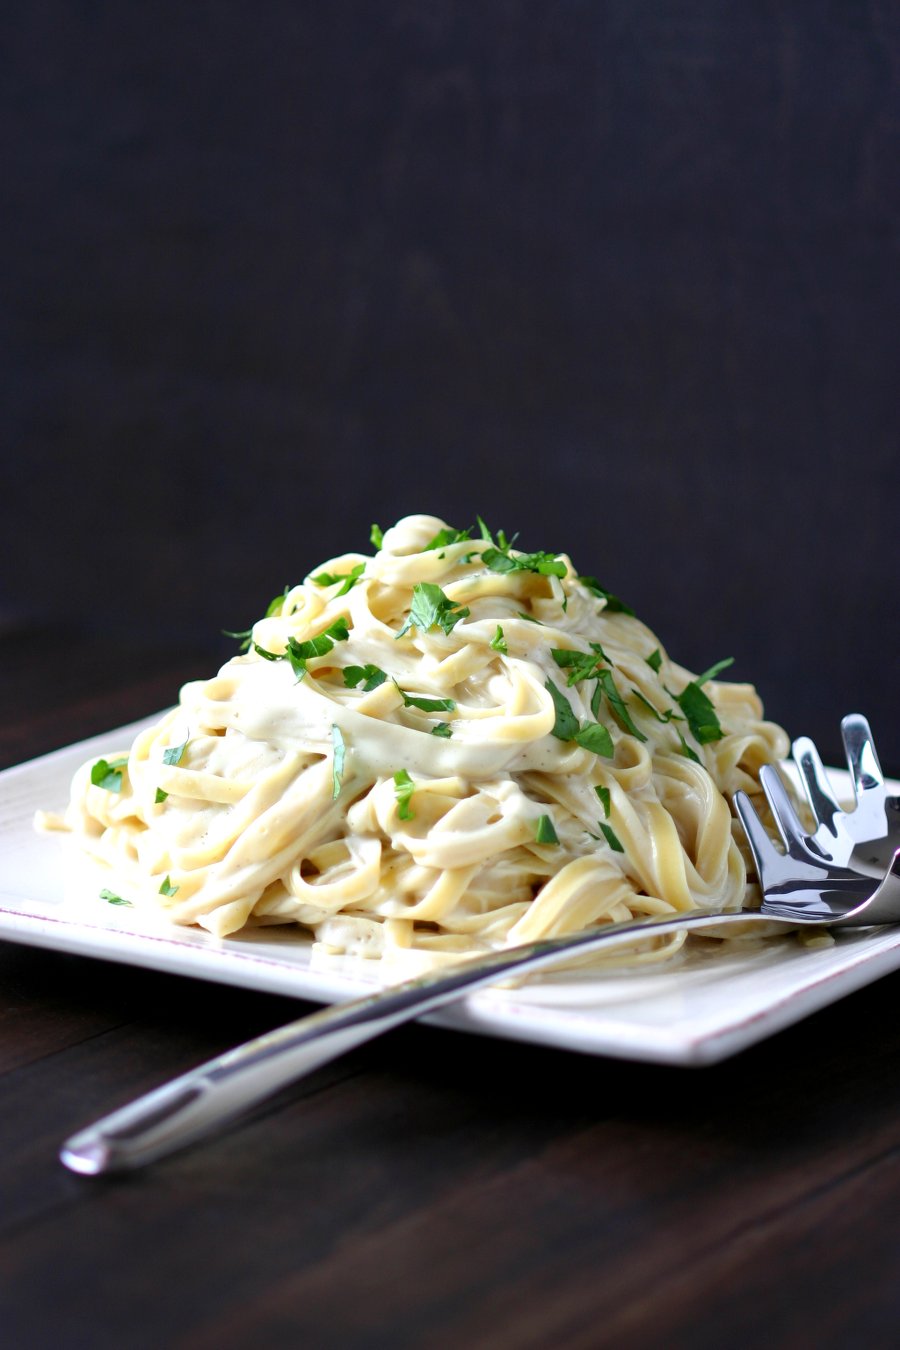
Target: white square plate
point(709, 1002)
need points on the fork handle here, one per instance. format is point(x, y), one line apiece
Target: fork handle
point(194, 1104)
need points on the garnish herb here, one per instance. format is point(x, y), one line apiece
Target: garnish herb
point(530, 618)
point(112, 899)
point(167, 888)
point(617, 703)
point(700, 713)
point(174, 753)
point(687, 750)
point(376, 536)
point(298, 653)
point(276, 604)
point(544, 832)
point(498, 642)
point(613, 604)
point(337, 763)
point(502, 542)
point(369, 676)
point(603, 794)
point(715, 670)
point(594, 736)
point(611, 837)
point(654, 660)
point(580, 665)
point(565, 728)
point(669, 715)
point(545, 564)
point(404, 787)
point(442, 729)
point(426, 704)
point(447, 536)
point(107, 774)
point(348, 578)
point(431, 608)
point(160, 796)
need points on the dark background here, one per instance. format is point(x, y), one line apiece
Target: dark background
point(621, 277)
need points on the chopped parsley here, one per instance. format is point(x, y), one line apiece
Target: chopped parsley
point(276, 604)
point(112, 899)
point(613, 604)
point(715, 671)
point(498, 642)
point(107, 774)
point(174, 753)
point(565, 727)
point(404, 787)
point(447, 536)
point(369, 676)
point(426, 704)
point(580, 665)
point(442, 729)
point(544, 564)
point(348, 578)
point(594, 736)
point(431, 608)
point(530, 618)
point(686, 749)
point(700, 713)
point(603, 794)
point(160, 796)
point(654, 660)
point(617, 703)
point(298, 653)
point(167, 888)
point(376, 536)
point(337, 763)
point(667, 716)
point(611, 837)
point(544, 832)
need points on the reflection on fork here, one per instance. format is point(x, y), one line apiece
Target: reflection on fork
point(867, 835)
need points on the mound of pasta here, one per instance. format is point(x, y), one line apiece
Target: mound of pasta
point(448, 746)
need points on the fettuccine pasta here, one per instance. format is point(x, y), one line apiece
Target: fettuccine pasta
point(446, 747)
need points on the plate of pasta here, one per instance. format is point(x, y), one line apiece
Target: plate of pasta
point(437, 748)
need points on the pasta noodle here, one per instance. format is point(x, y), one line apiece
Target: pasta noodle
point(445, 747)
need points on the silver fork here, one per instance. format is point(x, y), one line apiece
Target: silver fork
point(868, 834)
point(800, 887)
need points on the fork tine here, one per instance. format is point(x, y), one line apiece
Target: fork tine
point(782, 808)
point(815, 782)
point(765, 855)
point(869, 818)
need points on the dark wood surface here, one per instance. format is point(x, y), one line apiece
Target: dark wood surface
point(433, 1189)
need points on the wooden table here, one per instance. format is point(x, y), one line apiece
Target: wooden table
point(433, 1189)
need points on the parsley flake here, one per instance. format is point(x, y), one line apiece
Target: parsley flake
point(544, 564)
point(714, 671)
point(603, 794)
point(112, 899)
point(426, 704)
point(174, 753)
point(404, 787)
point(167, 888)
point(447, 536)
point(700, 713)
point(498, 642)
point(348, 578)
point(686, 750)
point(611, 837)
point(594, 736)
point(617, 703)
point(337, 763)
point(544, 832)
point(654, 661)
point(369, 676)
point(565, 726)
point(613, 604)
point(431, 608)
point(376, 536)
point(107, 774)
point(443, 730)
point(160, 796)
